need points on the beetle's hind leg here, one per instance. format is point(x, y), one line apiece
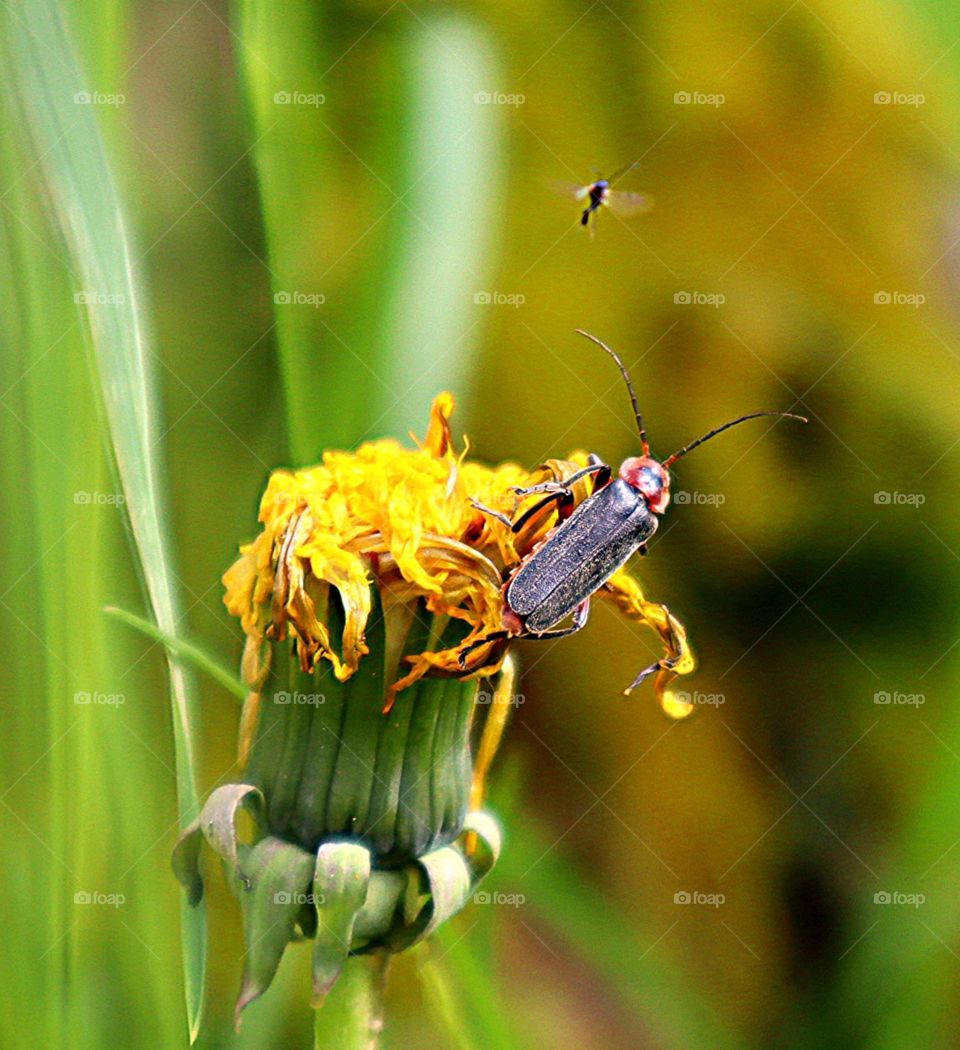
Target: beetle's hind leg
point(666, 664)
point(580, 616)
point(626, 595)
point(678, 659)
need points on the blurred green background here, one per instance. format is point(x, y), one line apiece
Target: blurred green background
point(234, 235)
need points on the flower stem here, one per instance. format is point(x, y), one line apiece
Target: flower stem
point(351, 1017)
point(440, 994)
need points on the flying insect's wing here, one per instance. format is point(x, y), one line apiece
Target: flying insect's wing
point(627, 204)
point(570, 190)
point(581, 555)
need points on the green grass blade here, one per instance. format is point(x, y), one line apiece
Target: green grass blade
point(80, 183)
point(434, 310)
point(283, 57)
point(185, 651)
point(409, 267)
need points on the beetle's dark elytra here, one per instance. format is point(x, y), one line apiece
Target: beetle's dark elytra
point(581, 555)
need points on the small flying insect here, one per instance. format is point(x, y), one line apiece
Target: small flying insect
point(592, 540)
point(600, 194)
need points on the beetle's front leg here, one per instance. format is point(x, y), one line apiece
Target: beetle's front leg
point(535, 490)
point(562, 497)
point(602, 472)
point(597, 467)
point(502, 518)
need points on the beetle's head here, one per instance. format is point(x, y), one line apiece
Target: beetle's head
point(650, 478)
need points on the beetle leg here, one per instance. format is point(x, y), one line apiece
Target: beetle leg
point(502, 518)
point(678, 649)
point(603, 472)
point(597, 466)
point(625, 593)
point(561, 491)
point(580, 616)
point(641, 677)
point(561, 496)
point(493, 636)
point(544, 486)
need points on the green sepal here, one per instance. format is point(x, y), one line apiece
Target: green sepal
point(271, 883)
point(451, 886)
point(340, 883)
point(381, 910)
point(218, 818)
point(487, 831)
point(445, 881)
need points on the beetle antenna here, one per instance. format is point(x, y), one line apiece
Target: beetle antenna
point(726, 426)
point(626, 378)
